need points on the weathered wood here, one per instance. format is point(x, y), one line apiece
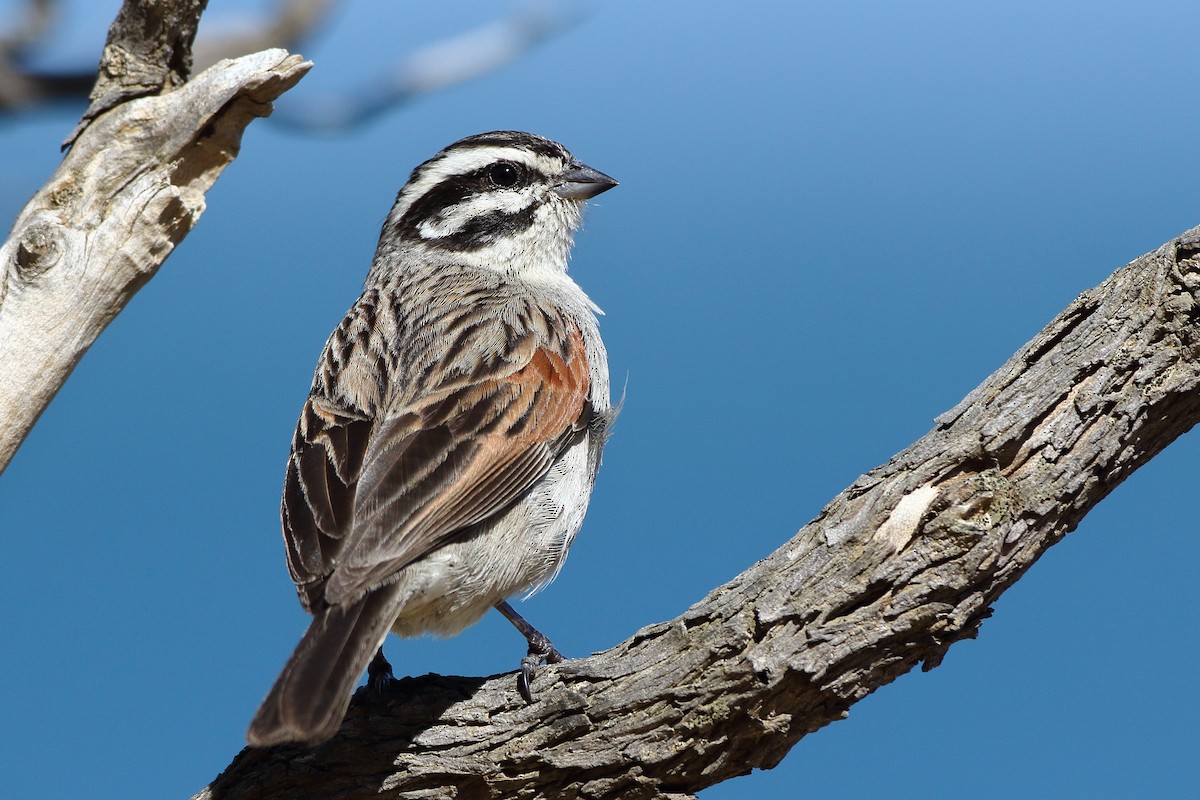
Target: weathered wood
point(148, 51)
point(894, 570)
point(129, 190)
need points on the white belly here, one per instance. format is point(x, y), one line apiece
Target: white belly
point(520, 550)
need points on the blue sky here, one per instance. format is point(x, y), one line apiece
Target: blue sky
point(834, 220)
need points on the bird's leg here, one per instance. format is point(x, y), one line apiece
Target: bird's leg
point(379, 672)
point(540, 649)
point(539, 643)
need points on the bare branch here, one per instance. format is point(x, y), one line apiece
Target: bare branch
point(148, 52)
point(893, 571)
point(128, 191)
point(432, 68)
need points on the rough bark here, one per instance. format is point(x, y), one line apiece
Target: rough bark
point(130, 189)
point(148, 52)
point(895, 569)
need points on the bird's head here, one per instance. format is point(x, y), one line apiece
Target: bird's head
point(507, 200)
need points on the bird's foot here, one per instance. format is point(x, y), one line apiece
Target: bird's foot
point(379, 673)
point(541, 650)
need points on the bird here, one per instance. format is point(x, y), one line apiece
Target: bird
point(446, 453)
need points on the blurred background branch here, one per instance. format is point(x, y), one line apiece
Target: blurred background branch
point(27, 38)
point(23, 88)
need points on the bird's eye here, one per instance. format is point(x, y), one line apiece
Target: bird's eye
point(503, 175)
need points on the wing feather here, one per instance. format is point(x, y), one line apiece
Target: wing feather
point(318, 492)
point(472, 454)
point(364, 498)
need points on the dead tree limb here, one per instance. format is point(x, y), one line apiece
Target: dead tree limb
point(130, 189)
point(893, 571)
point(148, 52)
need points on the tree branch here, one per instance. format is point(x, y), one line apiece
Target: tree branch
point(894, 570)
point(148, 52)
point(130, 189)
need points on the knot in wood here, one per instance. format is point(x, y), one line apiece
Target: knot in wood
point(39, 249)
point(975, 503)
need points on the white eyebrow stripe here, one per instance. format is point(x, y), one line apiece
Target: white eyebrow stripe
point(458, 162)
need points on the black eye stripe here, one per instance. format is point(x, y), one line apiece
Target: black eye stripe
point(482, 179)
point(456, 189)
point(440, 197)
point(478, 231)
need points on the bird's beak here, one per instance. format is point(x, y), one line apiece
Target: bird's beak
point(581, 182)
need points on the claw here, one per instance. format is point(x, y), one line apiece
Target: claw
point(529, 665)
point(541, 650)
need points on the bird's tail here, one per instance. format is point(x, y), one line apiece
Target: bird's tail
point(311, 695)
